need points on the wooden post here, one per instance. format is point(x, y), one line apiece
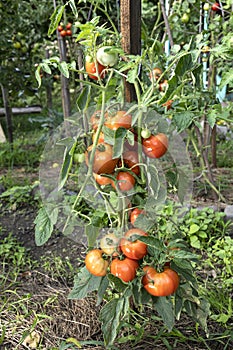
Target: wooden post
point(8, 113)
point(131, 36)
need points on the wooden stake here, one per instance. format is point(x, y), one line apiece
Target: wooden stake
point(131, 36)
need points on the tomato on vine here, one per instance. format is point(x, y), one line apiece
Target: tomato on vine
point(69, 25)
point(124, 268)
point(125, 181)
point(119, 120)
point(135, 214)
point(103, 162)
point(130, 159)
point(155, 73)
point(63, 33)
point(160, 284)
point(155, 146)
point(216, 7)
point(163, 86)
point(106, 56)
point(94, 70)
point(102, 180)
point(131, 246)
point(95, 119)
point(109, 244)
point(95, 263)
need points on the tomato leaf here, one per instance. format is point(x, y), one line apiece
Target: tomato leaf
point(37, 75)
point(84, 98)
point(183, 120)
point(55, 19)
point(63, 67)
point(84, 283)
point(45, 224)
point(164, 307)
point(110, 317)
point(184, 268)
point(67, 164)
point(118, 283)
point(185, 63)
point(120, 135)
point(102, 289)
point(92, 233)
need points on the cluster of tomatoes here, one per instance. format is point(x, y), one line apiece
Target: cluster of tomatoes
point(65, 30)
point(121, 172)
point(122, 256)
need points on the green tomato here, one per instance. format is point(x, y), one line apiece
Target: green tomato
point(145, 133)
point(78, 158)
point(185, 18)
point(206, 6)
point(106, 56)
point(17, 45)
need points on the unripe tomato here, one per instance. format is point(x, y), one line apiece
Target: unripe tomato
point(125, 181)
point(95, 263)
point(132, 247)
point(135, 213)
point(119, 120)
point(155, 146)
point(145, 133)
point(155, 74)
point(124, 269)
point(185, 18)
point(106, 56)
point(206, 6)
point(17, 45)
point(94, 70)
point(103, 162)
point(109, 244)
point(160, 284)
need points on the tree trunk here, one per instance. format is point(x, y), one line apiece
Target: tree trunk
point(131, 36)
point(8, 113)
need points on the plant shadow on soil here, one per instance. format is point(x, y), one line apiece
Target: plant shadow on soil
point(43, 302)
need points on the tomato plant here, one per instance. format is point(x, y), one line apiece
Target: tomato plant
point(160, 284)
point(124, 268)
point(95, 263)
point(155, 146)
point(131, 246)
point(103, 162)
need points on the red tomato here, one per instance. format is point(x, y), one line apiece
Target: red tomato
point(103, 162)
point(216, 7)
point(94, 70)
point(63, 33)
point(120, 119)
point(168, 104)
point(95, 263)
point(60, 28)
point(95, 119)
point(155, 146)
point(163, 86)
point(69, 25)
point(155, 74)
point(102, 180)
point(124, 269)
point(131, 247)
point(109, 244)
point(135, 213)
point(69, 32)
point(125, 181)
point(130, 159)
point(160, 284)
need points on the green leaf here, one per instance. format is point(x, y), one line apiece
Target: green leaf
point(184, 268)
point(44, 225)
point(46, 68)
point(109, 135)
point(63, 67)
point(194, 228)
point(164, 307)
point(37, 75)
point(110, 317)
point(227, 78)
point(84, 98)
point(102, 289)
point(67, 164)
point(120, 135)
point(185, 64)
point(84, 283)
point(195, 243)
point(55, 19)
point(171, 90)
point(183, 120)
point(119, 285)
point(92, 233)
